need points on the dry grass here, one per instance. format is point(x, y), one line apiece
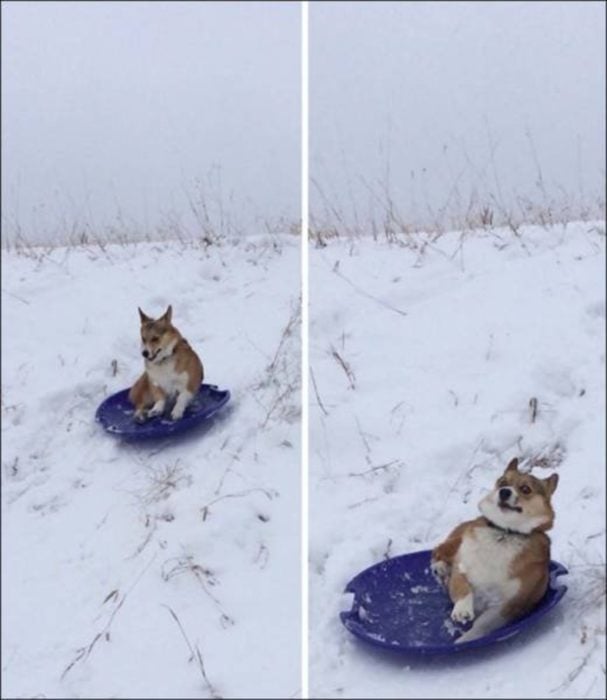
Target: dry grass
point(186, 565)
point(206, 220)
point(196, 655)
point(278, 390)
point(116, 601)
point(346, 367)
point(547, 457)
point(475, 201)
point(163, 480)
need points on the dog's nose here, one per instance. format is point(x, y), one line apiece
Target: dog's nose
point(504, 494)
point(145, 353)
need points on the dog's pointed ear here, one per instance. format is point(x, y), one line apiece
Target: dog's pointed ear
point(551, 483)
point(512, 465)
point(143, 317)
point(168, 314)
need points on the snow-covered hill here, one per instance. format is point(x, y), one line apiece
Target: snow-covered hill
point(427, 361)
point(122, 563)
point(432, 364)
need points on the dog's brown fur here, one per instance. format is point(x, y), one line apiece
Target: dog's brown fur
point(518, 543)
point(172, 368)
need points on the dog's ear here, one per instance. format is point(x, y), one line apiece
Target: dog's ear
point(512, 466)
point(551, 483)
point(143, 317)
point(168, 314)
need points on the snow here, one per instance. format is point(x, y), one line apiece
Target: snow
point(425, 360)
point(433, 362)
point(121, 561)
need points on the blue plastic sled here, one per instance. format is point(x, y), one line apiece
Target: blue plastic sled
point(116, 415)
point(399, 605)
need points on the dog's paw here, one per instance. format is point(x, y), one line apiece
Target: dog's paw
point(463, 610)
point(440, 570)
point(140, 417)
point(153, 412)
point(176, 414)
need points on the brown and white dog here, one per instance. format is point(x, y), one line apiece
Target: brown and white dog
point(496, 567)
point(172, 369)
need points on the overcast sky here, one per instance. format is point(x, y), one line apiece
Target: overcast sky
point(114, 107)
point(121, 108)
point(422, 93)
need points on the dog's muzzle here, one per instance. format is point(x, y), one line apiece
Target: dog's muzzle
point(151, 358)
point(504, 495)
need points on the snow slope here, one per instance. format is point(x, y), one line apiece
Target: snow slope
point(424, 360)
point(120, 563)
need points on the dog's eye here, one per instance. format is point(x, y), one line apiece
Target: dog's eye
point(525, 489)
point(155, 339)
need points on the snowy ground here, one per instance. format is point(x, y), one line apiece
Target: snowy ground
point(121, 563)
point(424, 361)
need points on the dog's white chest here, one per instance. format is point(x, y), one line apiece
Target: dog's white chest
point(485, 557)
point(165, 377)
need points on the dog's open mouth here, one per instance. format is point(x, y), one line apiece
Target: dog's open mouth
point(155, 355)
point(505, 506)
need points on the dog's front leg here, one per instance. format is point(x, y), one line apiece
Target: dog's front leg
point(460, 592)
point(183, 399)
point(442, 559)
point(141, 397)
point(159, 402)
point(141, 415)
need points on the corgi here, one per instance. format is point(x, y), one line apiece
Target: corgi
point(172, 369)
point(496, 568)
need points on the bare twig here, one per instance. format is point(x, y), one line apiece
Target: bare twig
point(362, 503)
point(549, 457)
point(194, 654)
point(282, 376)
point(395, 463)
point(345, 366)
point(262, 556)
point(211, 689)
point(164, 480)
point(533, 409)
point(269, 494)
point(187, 564)
point(16, 296)
point(378, 468)
point(318, 399)
point(84, 652)
point(278, 401)
point(293, 321)
point(572, 675)
point(363, 437)
point(364, 293)
point(183, 634)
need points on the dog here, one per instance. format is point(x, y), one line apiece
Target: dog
point(172, 370)
point(496, 568)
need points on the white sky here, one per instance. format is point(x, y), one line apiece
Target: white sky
point(120, 106)
point(424, 87)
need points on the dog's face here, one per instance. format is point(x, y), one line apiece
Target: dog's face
point(520, 502)
point(157, 336)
